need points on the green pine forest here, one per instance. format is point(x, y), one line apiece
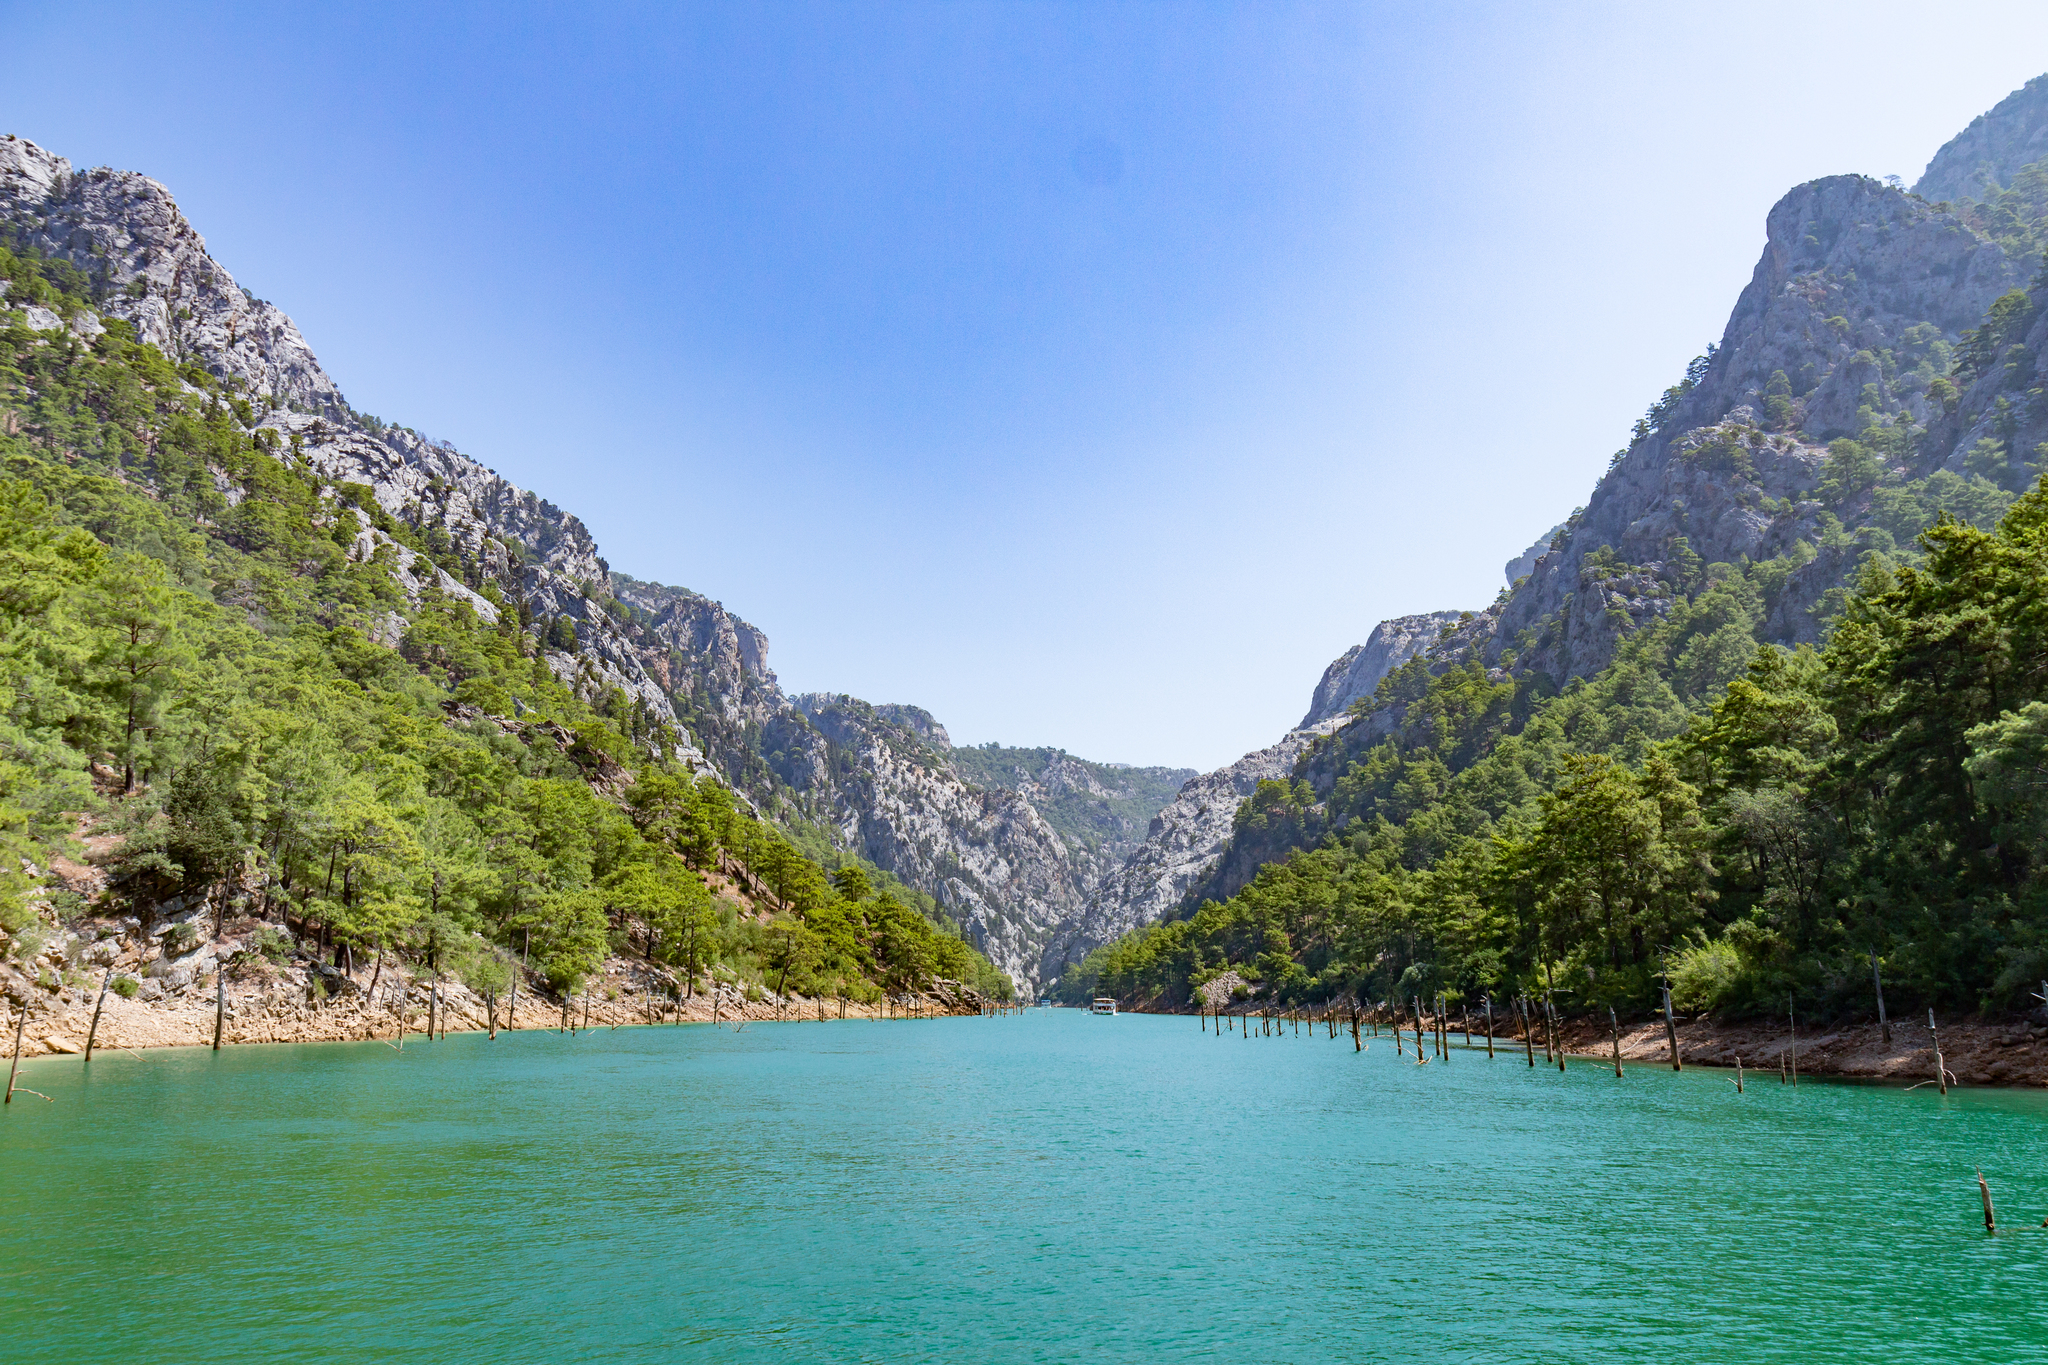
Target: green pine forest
point(190, 658)
point(1757, 825)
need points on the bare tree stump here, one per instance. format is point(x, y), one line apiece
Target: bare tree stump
point(97, 1005)
point(1940, 1066)
point(1671, 1032)
point(20, 1022)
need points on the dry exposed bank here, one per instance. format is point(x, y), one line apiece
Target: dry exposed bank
point(1976, 1051)
point(294, 997)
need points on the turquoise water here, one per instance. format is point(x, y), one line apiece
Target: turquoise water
point(1051, 1187)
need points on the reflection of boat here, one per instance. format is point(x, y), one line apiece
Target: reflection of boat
point(1103, 1005)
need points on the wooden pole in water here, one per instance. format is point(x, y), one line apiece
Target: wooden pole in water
point(1615, 1025)
point(1489, 1025)
point(512, 1005)
point(1738, 1073)
point(20, 1022)
point(433, 1009)
point(491, 1013)
point(220, 1003)
point(1940, 1066)
point(1356, 1045)
point(93, 1032)
point(1990, 1218)
point(1884, 1025)
point(1552, 1007)
point(1671, 1032)
point(1528, 1032)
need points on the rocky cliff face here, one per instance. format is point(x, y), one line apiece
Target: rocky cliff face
point(877, 778)
point(1990, 152)
point(1359, 669)
point(1850, 317)
point(1101, 811)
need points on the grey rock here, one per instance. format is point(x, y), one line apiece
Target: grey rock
point(1522, 564)
point(1359, 670)
point(2014, 133)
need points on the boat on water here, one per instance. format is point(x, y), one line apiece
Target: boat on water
point(1103, 1005)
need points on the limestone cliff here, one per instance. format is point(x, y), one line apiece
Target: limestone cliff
point(1359, 669)
point(1990, 153)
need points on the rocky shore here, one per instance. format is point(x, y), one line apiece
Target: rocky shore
point(268, 988)
point(1976, 1051)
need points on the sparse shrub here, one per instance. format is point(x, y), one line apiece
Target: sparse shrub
point(271, 944)
point(1703, 974)
point(127, 987)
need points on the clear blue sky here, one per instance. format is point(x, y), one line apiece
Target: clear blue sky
point(1088, 374)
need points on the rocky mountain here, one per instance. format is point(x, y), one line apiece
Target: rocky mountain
point(677, 669)
point(1884, 364)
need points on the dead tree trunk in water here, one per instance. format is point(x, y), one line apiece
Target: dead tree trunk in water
point(98, 1004)
point(1489, 1026)
point(1615, 1025)
point(1671, 1032)
point(220, 1003)
point(1940, 1066)
point(1528, 1032)
point(20, 1022)
point(1793, 1020)
point(1884, 1025)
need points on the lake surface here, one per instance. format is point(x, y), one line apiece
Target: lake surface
point(1051, 1187)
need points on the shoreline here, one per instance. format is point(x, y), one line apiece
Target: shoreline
point(2010, 1054)
point(305, 1000)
